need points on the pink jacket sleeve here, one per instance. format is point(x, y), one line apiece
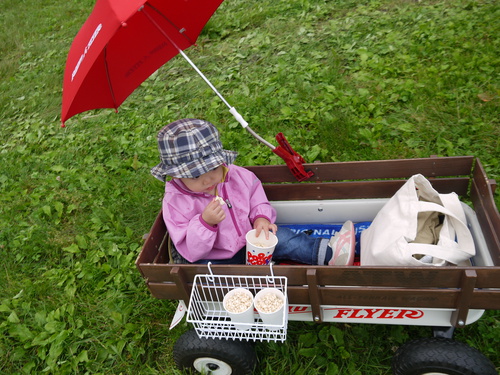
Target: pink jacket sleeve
point(259, 205)
point(190, 233)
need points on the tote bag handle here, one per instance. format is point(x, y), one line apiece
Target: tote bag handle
point(446, 249)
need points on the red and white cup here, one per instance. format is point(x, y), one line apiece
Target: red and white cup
point(259, 249)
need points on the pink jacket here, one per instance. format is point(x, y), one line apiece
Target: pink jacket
point(193, 238)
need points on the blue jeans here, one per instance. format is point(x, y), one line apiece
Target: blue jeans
point(296, 247)
point(299, 247)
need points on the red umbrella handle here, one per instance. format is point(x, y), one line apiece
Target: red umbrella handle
point(292, 159)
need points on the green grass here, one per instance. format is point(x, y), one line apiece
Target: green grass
point(344, 80)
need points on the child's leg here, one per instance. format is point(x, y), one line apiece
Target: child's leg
point(301, 248)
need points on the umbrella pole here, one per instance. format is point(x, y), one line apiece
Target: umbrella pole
point(293, 160)
point(233, 110)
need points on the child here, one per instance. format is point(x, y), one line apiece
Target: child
point(210, 204)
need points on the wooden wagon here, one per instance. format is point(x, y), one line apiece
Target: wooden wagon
point(441, 297)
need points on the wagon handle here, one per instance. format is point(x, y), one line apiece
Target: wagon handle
point(292, 159)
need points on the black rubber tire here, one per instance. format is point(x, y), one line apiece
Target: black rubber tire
point(214, 356)
point(441, 356)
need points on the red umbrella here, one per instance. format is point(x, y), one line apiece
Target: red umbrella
point(124, 42)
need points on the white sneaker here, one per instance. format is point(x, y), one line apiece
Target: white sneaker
point(342, 244)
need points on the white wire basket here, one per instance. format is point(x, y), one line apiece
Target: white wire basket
point(211, 320)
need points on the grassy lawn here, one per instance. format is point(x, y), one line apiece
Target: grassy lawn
point(344, 80)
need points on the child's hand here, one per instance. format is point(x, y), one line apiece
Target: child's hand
point(262, 224)
point(213, 214)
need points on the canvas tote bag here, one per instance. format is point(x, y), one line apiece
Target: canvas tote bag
point(418, 227)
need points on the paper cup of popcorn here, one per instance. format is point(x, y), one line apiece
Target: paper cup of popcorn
point(270, 304)
point(259, 249)
point(239, 305)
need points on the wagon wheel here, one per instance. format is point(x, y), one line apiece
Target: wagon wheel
point(214, 356)
point(438, 356)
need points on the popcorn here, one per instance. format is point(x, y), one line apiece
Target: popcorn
point(268, 303)
point(258, 244)
point(238, 302)
point(220, 200)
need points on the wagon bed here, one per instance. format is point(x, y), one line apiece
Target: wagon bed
point(460, 289)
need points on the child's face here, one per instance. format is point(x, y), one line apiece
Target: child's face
point(205, 183)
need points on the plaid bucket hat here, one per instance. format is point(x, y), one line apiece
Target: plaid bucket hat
point(189, 148)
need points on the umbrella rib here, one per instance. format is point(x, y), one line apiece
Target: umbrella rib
point(109, 78)
point(168, 20)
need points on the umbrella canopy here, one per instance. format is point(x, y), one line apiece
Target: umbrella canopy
point(124, 42)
